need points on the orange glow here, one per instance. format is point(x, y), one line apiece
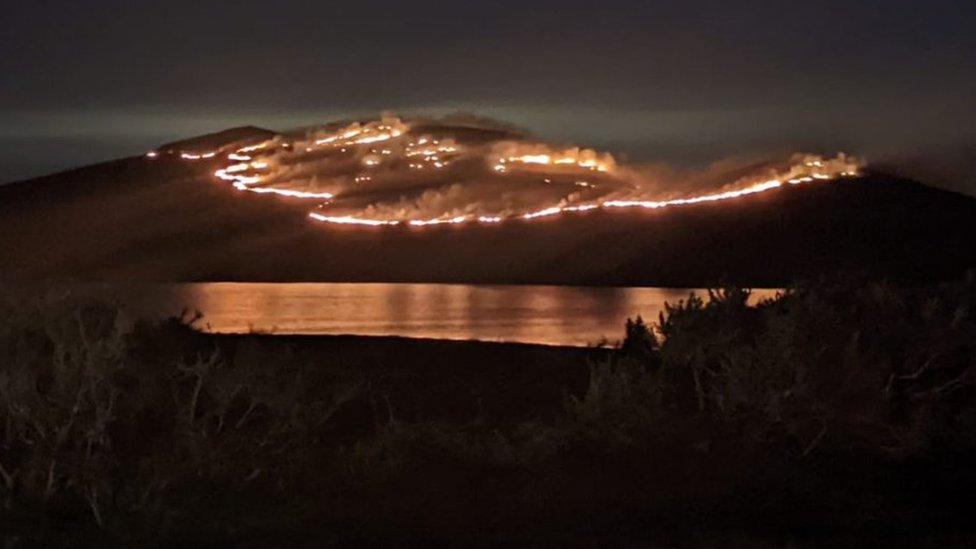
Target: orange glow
point(511, 155)
point(384, 129)
point(323, 164)
point(252, 148)
point(452, 220)
point(198, 156)
point(550, 211)
point(346, 220)
point(282, 192)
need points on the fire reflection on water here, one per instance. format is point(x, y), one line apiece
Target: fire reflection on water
point(551, 315)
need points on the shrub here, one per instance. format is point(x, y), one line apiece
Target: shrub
point(845, 361)
point(86, 419)
point(108, 424)
point(866, 363)
point(624, 398)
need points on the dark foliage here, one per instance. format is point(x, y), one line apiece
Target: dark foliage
point(846, 402)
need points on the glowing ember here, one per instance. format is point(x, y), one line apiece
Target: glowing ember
point(527, 155)
point(453, 220)
point(198, 156)
point(346, 220)
point(252, 148)
point(282, 192)
point(386, 128)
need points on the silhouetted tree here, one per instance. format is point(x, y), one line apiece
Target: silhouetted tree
point(639, 343)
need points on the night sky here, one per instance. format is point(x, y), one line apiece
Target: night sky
point(683, 82)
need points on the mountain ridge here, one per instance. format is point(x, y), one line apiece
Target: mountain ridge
point(163, 220)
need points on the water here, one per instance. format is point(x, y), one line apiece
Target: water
point(552, 315)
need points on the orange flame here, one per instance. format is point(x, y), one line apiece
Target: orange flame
point(263, 168)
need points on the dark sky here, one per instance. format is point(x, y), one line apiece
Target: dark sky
point(677, 81)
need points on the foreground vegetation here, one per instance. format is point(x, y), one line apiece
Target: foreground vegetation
point(843, 410)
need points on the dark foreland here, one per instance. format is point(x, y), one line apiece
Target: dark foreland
point(839, 413)
point(166, 220)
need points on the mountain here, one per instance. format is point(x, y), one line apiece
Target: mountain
point(166, 220)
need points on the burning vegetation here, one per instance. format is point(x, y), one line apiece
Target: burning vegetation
point(392, 171)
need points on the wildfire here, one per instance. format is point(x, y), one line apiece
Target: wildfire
point(388, 153)
point(198, 156)
point(384, 129)
point(348, 220)
point(283, 192)
point(517, 155)
point(823, 170)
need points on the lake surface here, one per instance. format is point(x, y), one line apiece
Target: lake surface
point(552, 315)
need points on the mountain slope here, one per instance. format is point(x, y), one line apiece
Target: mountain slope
point(167, 220)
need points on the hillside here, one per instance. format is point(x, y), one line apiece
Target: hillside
point(166, 220)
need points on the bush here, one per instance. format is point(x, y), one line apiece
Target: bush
point(864, 363)
point(87, 421)
point(111, 425)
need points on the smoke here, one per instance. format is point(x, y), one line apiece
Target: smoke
point(662, 181)
point(462, 168)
